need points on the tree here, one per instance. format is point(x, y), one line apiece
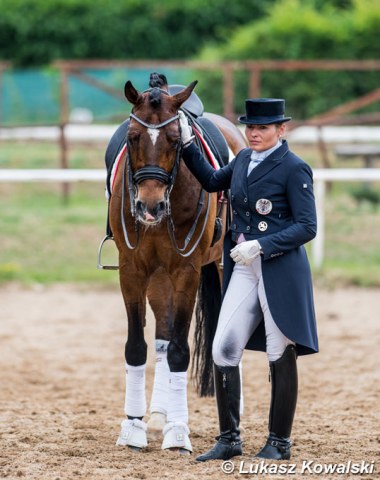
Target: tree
point(36, 32)
point(308, 29)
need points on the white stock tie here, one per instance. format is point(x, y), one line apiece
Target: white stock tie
point(255, 160)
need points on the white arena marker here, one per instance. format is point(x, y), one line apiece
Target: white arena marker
point(153, 133)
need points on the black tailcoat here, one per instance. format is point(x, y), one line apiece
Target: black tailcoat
point(287, 182)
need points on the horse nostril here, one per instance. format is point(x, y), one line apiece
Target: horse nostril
point(150, 213)
point(161, 207)
point(140, 207)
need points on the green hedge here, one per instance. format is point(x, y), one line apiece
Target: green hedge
point(307, 29)
point(38, 31)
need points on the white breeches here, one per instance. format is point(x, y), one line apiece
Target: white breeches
point(244, 305)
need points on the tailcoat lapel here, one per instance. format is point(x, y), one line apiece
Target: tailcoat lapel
point(268, 164)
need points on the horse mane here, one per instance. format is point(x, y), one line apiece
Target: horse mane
point(157, 80)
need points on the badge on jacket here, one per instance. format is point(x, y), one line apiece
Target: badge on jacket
point(263, 226)
point(263, 206)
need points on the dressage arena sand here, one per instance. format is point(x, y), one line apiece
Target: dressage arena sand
point(62, 391)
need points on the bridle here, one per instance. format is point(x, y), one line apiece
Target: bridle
point(154, 172)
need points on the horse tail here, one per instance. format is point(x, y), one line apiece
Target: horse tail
point(207, 310)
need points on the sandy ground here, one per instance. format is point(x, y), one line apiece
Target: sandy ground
point(62, 393)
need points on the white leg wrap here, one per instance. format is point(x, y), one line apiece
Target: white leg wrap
point(135, 400)
point(159, 399)
point(133, 433)
point(176, 435)
point(177, 398)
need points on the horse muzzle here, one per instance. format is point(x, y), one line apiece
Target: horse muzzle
point(152, 189)
point(150, 214)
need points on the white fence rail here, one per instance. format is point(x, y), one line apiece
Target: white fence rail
point(53, 175)
point(321, 176)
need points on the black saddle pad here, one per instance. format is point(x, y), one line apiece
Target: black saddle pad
point(114, 146)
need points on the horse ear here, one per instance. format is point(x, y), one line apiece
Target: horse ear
point(131, 94)
point(181, 97)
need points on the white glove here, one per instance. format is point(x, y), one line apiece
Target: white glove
point(186, 131)
point(246, 252)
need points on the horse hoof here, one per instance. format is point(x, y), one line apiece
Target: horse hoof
point(156, 424)
point(176, 436)
point(178, 451)
point(183, 451)
point(134, 449)
point(133, 434)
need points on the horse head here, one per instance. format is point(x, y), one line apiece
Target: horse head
point(154, 147)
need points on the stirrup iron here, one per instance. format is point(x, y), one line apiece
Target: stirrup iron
point(105, 267)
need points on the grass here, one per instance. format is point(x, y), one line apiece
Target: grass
point(352, 254)
point(44, 240)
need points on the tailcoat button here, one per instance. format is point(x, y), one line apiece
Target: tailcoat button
point(248, 214)
point(248, 227)
point(245, 199)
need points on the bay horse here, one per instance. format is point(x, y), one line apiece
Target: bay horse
point(163, 225)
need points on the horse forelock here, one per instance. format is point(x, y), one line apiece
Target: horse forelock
point(155, 97)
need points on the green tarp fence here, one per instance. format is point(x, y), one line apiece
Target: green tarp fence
point(33, 96)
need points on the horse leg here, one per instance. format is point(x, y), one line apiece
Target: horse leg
point(160, 296)
point(133, 428)
point(176, 431)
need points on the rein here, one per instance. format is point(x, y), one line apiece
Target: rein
point(157, 173)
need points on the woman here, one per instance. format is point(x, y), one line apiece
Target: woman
point(268, 297)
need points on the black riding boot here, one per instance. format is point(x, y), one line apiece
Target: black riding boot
point(227, 390)
point(283, 405)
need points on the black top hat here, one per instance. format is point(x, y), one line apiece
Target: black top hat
point(264, 111)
